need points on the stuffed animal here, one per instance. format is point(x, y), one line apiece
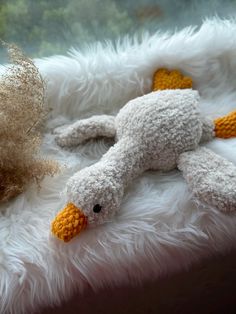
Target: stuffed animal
point(162, 130)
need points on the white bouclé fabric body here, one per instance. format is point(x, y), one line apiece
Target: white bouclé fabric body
point(216, 180)
point(159, 225)
point(151, 132)
point(166, 123)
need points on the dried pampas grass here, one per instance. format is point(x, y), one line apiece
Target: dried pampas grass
point(22, 112)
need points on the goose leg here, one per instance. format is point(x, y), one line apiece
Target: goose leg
point(210, 177)
point(83, 130)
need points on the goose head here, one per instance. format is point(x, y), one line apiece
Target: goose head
point(93, 196)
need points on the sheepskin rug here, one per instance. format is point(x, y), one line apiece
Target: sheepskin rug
point(160, 229)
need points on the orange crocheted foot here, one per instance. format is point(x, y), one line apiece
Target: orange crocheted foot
point(68, 223)
point(225, 127)
point(165, 79)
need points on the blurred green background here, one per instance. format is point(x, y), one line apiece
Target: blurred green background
point(47, 27)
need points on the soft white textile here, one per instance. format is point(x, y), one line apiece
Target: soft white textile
point(159, 228)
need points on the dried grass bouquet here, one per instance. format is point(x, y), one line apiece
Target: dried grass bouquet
point(22, 112)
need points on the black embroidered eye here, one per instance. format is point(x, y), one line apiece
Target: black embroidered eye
point(97, 208)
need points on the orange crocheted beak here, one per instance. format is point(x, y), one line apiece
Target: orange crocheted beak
point(69, 222)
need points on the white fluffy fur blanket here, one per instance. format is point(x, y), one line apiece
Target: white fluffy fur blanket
point(159, 229)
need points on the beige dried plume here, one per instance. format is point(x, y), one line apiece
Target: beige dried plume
point(22, 112)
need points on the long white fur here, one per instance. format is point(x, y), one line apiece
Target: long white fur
point(159, 229)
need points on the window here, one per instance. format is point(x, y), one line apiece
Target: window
point(46, 27)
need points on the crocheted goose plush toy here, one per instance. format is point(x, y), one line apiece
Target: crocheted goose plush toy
point(161, 130)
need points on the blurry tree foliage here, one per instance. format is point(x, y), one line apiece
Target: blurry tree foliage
point(46, 27)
